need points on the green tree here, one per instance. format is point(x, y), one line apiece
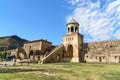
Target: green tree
point(0, 55)
point(3, 55)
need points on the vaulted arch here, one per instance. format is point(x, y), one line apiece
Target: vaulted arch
point(21, 54)
point(69, 53)
point(31, 54)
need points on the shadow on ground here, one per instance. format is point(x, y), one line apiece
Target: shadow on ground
point(10, 70)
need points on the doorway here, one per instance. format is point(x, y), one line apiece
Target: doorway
point(100, 59)
point(69, 53)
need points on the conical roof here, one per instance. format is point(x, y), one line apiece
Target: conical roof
point(73, 21)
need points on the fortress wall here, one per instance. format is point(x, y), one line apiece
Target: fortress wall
point(104, 51)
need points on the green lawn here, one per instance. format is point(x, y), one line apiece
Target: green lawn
point(61, 71)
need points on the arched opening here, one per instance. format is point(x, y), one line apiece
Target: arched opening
point(72, 29)
point(76, 29)
point(100, 59)
point(21, 54)
point(69, 51)
point(31, 55)
point(31, 52)
point(29, 47)
point(37, 54)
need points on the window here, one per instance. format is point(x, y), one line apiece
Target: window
point(90, 57)
point(29, 47)
point(86, 56)
point(68, 39)
point(111, 46)
point(76, 29)
point(72, 38)
point(96, 57)
point(103, 57)
point(72, 30)
point(115, 57)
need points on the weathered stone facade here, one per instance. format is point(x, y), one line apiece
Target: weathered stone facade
point(104, 51)
point(33, 50)
point(37, 49)
point(73, 42)
point(73, 49)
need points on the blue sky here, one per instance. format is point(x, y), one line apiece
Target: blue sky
point(34, 19)
point(46, 19)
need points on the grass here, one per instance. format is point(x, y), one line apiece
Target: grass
point(61, 71)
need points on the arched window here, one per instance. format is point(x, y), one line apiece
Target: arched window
point(71, 38)
point(72, 29)
point(86, 56)
point(31, 52)
point(115, 57)
point(29, 47)
point(96, 57)
point(76, 29)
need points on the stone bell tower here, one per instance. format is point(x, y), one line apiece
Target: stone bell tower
point(72, 42)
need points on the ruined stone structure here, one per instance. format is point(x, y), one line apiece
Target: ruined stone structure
point(73, 49)
point(105, 51)
point(36, 49)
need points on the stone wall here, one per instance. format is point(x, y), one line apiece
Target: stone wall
point(73, 44)
point(56, 55)
point(36, 48)
point(105, 51)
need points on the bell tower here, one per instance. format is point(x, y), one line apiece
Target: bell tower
point(72, 27)
point(72, 42)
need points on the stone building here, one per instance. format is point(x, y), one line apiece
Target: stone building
point(36, 49)
point(105, 51)
point(73, 49)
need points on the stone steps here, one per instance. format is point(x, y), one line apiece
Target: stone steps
point(52, 53)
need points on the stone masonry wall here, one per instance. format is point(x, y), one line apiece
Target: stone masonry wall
point(104, 51)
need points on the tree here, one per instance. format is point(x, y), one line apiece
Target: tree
point(0, 56)
point(3, 55)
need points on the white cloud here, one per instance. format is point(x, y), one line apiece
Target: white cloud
point(97, 23)
point(73, 2)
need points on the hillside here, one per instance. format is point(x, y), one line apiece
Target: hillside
point(11, 42)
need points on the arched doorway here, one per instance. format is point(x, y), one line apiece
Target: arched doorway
point(31, 54)
point(100, 59)
point(37, 54)
point(69, 53)
point(21, 54)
